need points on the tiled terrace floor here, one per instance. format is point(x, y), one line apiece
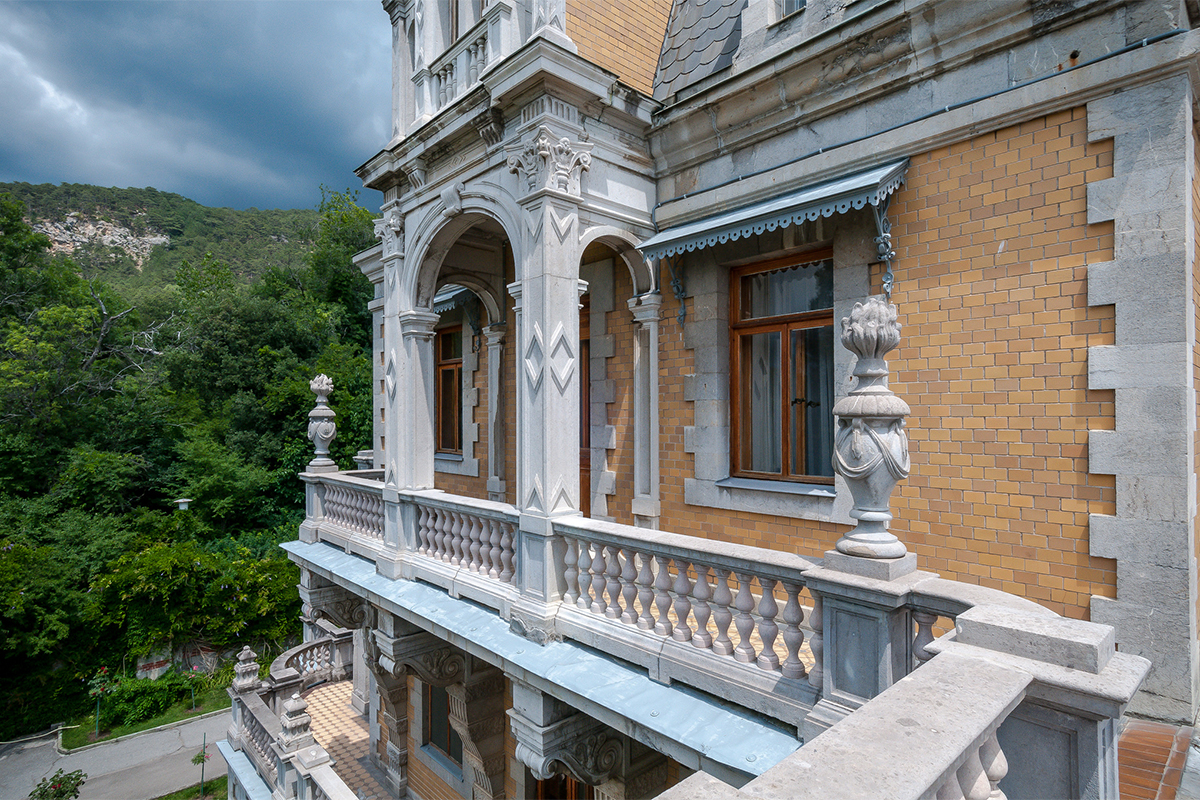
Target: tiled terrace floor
point(1152, 755)
point(343, 733)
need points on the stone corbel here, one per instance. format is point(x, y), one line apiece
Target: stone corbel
point(490, 125)
point(415, 170)
point(339, 606)
point(553, 737)
point(430, 658)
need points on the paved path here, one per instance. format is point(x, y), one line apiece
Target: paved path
point(138, 767)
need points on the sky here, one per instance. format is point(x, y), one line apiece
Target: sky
point(234, 103)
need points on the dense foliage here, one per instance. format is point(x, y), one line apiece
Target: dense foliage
point(115, 399)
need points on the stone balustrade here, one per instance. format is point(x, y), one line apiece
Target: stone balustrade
point(271, 726)
point(328, 658)
point(454, 73)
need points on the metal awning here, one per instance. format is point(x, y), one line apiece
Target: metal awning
point(869, 187)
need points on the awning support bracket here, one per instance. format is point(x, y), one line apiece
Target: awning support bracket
point(883, 242)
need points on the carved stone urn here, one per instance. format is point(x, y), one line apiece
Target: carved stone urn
point(322, 430)
point(871, 446)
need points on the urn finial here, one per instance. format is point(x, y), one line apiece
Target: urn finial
point(322, 430)
point(871, 446)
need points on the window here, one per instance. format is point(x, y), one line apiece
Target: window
point(448, 384)
point(438, 732)
point(787, 7)
point(781, 370)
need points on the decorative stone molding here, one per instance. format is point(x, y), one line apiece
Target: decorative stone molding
point(439, 667)
point(390, 230)
point(546, 163)
point(536, 633)
point(322, 430)
point(490, 125)
point(334, 604)
point(871, 446)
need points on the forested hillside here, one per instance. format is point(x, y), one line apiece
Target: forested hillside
point(123, 388)
point(175, 228)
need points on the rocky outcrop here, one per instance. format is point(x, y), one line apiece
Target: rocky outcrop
point(77, 230)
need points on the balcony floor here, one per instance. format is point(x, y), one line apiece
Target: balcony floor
point(343, 733)
point(1152, 758)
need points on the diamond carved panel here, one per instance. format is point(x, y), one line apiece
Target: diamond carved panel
point(562, 358)
point(534, 359)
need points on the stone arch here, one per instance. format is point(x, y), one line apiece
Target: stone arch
point(441, 226)
point(624, 243)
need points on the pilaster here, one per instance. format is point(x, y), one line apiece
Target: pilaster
point(645, 311)
point(494, 337)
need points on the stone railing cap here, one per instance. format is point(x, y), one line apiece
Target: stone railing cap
point(1065, 642)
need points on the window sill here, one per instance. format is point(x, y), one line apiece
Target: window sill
point(778, 498)
point(455, 464)
point(444, 768)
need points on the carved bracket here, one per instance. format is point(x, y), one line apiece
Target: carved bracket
point(557, 738)
point(339, 606)
point(490, 125)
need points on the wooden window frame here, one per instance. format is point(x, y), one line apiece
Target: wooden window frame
point(427, 733)
point(452, 365)
point(784, 324)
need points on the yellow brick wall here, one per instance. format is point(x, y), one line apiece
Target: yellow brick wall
point(991, 285)
point(623, 36)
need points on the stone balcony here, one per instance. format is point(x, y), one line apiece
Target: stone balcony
point(848, 657)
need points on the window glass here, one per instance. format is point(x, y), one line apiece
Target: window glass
point(438, 730)
point(791, 290)
point(448, 388)
point(782, 371)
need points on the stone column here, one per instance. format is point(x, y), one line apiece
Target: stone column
point(645, 410)
point(496, 485)
point(547, 341)
point(358, 673)
point(416, 328)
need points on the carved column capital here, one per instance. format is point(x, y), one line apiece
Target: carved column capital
point(418, 324)
point(645, 308)
point(390, 230)
point(548, 162)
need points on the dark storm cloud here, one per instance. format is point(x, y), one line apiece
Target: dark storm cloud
point(229, 103)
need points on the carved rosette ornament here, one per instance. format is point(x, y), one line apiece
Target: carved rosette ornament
point(322, 430)
point(871, 446)
point(390, 230)
point(548, 163)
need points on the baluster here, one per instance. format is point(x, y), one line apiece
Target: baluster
point(599, 604)
point(629, 589)
point(701, 592)
point(645, 594)
point(483, 58)
point(443, 539)
point(585, 575)
point(925, 622)
point(422, 530)
point(722, 597)
point(441, 81)
point(662, 600)
point(360, 520)
point(768, 659)
point(570, 573)
point(462, 526)
point(793, 637)
point(506, 552)
point(995, 765)
point(485, 545)
point(972, 779)
point(472, 59)
point(614, 583)
point(477, 528)
point(683, 602)
point(743, 621)
point(816, 675)
point(453, 73)
point(435, 531)
point(492, 545)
